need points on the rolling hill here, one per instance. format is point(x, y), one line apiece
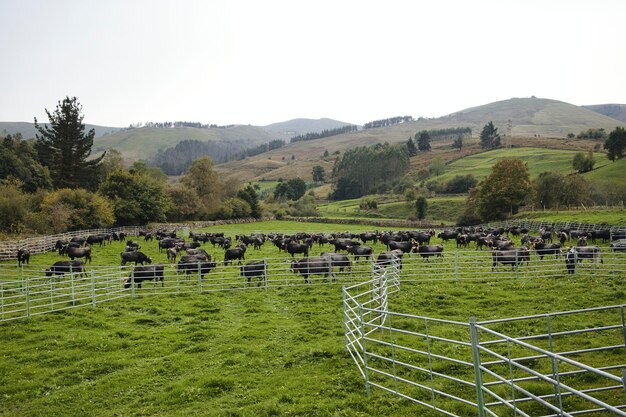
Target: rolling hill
point(534, 122)
point(616, 111)
point(296, 127)
point(28, 130)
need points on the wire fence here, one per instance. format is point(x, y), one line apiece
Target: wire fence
point(542, 365)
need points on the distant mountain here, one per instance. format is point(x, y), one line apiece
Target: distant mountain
point(28, 130)
point(145, 142)
point(296, 127)
point(616, 111)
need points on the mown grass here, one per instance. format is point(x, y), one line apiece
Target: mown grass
point(246, 353)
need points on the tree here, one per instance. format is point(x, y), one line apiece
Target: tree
point(249, 195)
point(460, 184)
point(14, 206)
point(489, 137)
point(411, 148)
point(421, 205)
point(64, 147)
point(293, 189)
point(184, 204)
point(437, 166)
point(458, 142)
point(207, 184)
point(616, 143)
point(77, 209)
point(319, 174)
point(548, 189)
point(504, 190)
point(137, 199)
point(18, 161)
point(423, 141)
point(582, 163)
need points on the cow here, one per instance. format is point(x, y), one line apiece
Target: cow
point(360, 251)
point(63, 267)
point(604, 234)
point(339, 260)
point(582, 241)
point(462, 241)
point(79, 240)
point(343, 243)
point(73, 252)
point(447, 235)
point(546, 235)
point(318, 265)
point(254, 269)
point(238, 252)
point(513, 257)
point(190, 264)
point(199, 252)
point(388, 258)
point(93, 239)
point(23, 257)
point(426, 251)
point(367, 236)
point(136, 257)
point(575, 234)
point(544, 249)
point(529, 240)
point(132, 245)
point(145, 273)
point(167, 243)
point(294, 247)
point(570, 260)
point(405, 247)
point(588, 252)
point(171, 255)
point(562, 236)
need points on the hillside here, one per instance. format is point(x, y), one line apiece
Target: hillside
point(534, 122)
point(296, 127)
point(143, 143)
point(616, 111)
point(28, 130)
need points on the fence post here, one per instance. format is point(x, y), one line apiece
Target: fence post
point(265, 273)
point(478, 379)
point(73, 296)
point(365, 369)
point(456, 267)
point(132, 284)
point(199, 277)
point(93, 288)
point(27, 297)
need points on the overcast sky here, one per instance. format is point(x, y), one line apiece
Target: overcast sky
point(265, 61)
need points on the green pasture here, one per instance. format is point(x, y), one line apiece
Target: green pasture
point(538, 159)
point(275, 352)
point(609, 216)
point(441, 209)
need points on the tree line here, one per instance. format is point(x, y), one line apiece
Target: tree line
point(325, 133)
point(388, 122)
point(168, 125)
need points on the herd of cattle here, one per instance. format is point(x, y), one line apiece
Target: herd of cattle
point(193, 259)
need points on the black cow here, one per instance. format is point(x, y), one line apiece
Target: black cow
point(238, 252)
point(546, 235)
point(426, 251)
point(145, 273)
point(360, 251)
point(588, 252)
point(562, 236)
point(513, 257)
point(295, 247)
point(79, 240)
point(23, 256)
point(93, 239)
point(387, 258)
point(319, 265)
point(136, 257)
point(167, 243)
point(604, 234)
point(73, 252)
point(462, 241)
point(64, 267)
point(570, 260)
point(190, 264)
point(448, 235)
point(171, 255)
point(339, 260)
point(405, 247)
point(254, 269)
point(199, 252)
point(544, 249)
point(366, 237)
point(343, 243)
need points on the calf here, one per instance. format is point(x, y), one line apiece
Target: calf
point(145, 273)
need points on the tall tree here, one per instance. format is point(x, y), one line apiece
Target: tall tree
point(248, 194)
point(410, 146)
point(64, 147)
point(458, 142)
point(319, 174)
point(616, 143)
point(423, 141)
point(18, 161)
point(489, 137)
point(421, 205)
point(504, 190)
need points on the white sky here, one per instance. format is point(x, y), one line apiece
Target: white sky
point(264, 61)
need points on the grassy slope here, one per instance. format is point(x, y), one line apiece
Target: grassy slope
point(253, 353)
point(145, 142)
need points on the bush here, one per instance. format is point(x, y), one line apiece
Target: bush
point(76, 209)
point(14, 207)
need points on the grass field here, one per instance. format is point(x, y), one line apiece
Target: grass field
point(243, 353)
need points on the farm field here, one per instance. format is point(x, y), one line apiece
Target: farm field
point(539, 160)
point(258, 352)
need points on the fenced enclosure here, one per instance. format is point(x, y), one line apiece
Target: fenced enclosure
point(541, 365)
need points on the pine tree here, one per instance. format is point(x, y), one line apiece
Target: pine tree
point(489, 137)
point(423, 141)
point(410, 145)
point(64, 148)
point(616, 143)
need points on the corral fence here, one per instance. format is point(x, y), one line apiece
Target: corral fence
point(541, 365)
point(30, 290)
